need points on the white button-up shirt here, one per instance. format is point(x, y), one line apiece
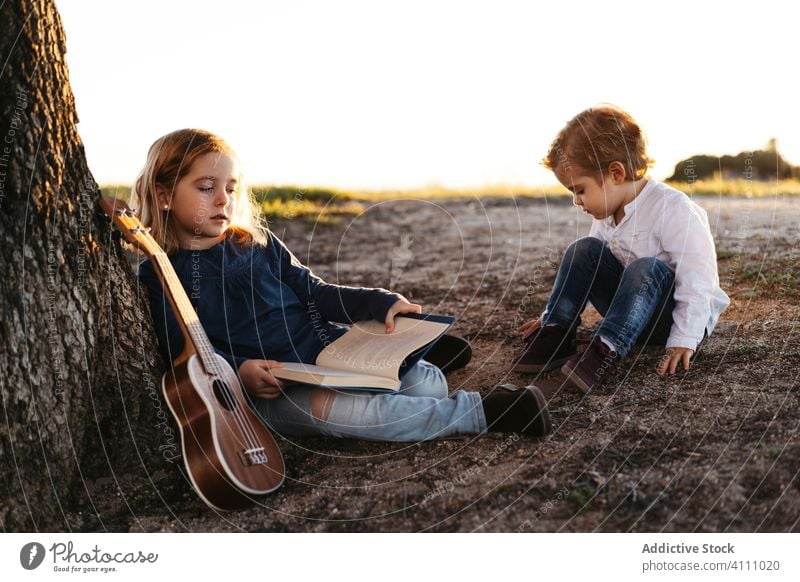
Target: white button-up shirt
point(665, 223)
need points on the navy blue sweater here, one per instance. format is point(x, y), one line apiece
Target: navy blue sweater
point(259, 302)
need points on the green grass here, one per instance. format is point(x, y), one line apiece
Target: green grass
point(319, 212)
point(122, 191)
point(440, 193)
point(757, 349)
point(773, 273)
point(772, 277)
point(723, 254)
point(580, 498)
point(739, 188)
point(324, 205)
point(299, 194)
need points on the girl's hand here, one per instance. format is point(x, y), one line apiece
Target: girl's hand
point(400, 306)
point(529, 327)
point(258, 380)
point(671, 358)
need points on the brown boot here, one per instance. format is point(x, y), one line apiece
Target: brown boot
point(510, 409)
point(546, 349)
point(592, 366)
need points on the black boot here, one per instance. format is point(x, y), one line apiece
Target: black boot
point(450, 352)
point(510, 409)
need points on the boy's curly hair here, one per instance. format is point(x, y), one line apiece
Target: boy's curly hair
point(594, 138)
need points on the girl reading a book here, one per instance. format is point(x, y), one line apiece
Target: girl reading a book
point(259, 306)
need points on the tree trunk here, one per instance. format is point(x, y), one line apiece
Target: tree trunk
point(81, 400)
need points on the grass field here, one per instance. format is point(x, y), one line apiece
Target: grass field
point(325, 204)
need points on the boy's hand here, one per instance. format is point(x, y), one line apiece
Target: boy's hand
point(400, 306)
point(258, 380)
point(671, 358)
point(529, 327)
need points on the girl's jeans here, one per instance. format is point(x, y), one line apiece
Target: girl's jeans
point(421, 410)
point(636, 301)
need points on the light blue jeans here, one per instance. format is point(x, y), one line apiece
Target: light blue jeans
point(421, 410)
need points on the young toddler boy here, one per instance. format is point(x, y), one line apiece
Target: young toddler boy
point(648, 266)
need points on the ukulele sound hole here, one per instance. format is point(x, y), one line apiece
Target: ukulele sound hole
point(223, 394)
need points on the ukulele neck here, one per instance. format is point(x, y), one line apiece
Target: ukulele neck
point(196, 340)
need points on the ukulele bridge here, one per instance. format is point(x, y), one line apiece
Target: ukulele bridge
point(253, 457)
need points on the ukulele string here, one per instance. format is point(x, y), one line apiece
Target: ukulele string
point(246, 427)
point(208, 355)
point(208, 358)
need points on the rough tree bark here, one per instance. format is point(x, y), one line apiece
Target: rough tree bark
point(80, 372)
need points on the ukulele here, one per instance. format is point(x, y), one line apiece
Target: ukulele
point(230, 456)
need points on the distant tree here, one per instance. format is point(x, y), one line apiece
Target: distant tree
point(772, 145)
point(79, 390)
point(765, 164)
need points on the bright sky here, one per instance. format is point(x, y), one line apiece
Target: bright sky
point(409, 94)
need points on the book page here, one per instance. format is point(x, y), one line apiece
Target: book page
point(368, 349)
point(322, 376)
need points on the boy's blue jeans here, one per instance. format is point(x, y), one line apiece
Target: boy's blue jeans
point(636, 301)
point(421, 410)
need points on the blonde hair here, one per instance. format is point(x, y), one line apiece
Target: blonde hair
point(169, 159)
point(595, 138)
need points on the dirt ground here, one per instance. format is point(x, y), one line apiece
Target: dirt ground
point(713, 449)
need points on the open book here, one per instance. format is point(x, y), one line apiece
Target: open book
point(366, 357)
